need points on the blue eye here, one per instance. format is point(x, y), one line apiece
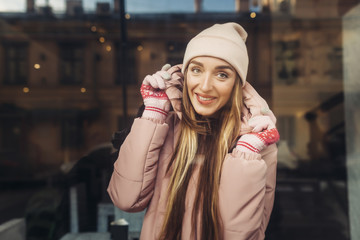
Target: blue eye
point(195, 70)
point(223, 75)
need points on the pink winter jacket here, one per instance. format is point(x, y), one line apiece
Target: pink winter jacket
point(247, 184)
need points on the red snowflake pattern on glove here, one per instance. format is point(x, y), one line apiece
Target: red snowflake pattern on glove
point(149, 92)
point(268, 136)
point(256, 142)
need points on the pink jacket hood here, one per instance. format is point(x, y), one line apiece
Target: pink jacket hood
point(254, 104)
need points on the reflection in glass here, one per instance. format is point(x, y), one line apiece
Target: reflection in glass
point(57, 118)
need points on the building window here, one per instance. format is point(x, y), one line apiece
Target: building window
point(71, 63)
point(129, 66)
point(72, 132)
point(286, 127)
point(10, 133)
point(16, 63)
point(175, 52)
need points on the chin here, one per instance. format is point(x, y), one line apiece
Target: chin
point(205, 113)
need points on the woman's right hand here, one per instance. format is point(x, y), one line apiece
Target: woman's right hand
point(157, 104)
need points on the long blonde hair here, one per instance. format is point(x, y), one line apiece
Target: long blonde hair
point(197, 133)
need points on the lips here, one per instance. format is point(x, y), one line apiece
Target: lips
point(203, 99)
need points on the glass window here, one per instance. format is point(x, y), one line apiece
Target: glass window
point(70, 76)
point(71, 132)
point(16, 63)
point(10, 133)
point(128, 65)
point(72, 63)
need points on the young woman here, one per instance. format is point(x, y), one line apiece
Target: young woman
point(202, 157)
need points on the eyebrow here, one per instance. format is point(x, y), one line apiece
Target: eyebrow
point(225, 67)
point(196, 63)
point(217, 67)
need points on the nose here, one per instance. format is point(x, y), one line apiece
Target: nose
point(206, 83)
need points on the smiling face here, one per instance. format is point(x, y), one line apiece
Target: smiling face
point(209, 84)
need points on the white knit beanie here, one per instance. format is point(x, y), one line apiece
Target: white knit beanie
point(224, 41)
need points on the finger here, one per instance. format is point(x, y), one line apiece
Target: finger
point(165, 75)
point(260, 128)
point(260, 123)
point(258, 120)
point(166, 67)
point(152, 81)
point(147, 80)
point(267, 112)
point(159, 81)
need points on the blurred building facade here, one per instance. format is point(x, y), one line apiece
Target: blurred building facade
point(61, 73)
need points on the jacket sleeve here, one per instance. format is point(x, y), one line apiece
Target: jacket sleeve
point(132, 183)
point(246, 193)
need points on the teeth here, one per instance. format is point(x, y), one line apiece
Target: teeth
point(205, 99)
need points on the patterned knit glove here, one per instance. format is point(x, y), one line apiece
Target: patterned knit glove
point(261, 122)
point(157, 104)
point(257, 141)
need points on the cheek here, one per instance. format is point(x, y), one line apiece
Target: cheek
point(226, 91)
point(189, 80)
point(189, 85)
point(188, 88)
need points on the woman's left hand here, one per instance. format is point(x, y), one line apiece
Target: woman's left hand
point(256, 142)
point(260, 123)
